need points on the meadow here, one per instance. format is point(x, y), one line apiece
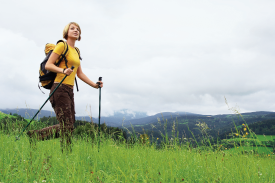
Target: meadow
point(121, 161)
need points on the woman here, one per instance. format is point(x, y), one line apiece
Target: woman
point(63, 99)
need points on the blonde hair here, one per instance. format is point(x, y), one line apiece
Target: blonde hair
point(66, 29)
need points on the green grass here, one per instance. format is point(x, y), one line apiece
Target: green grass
point(259, 138)
point(121, 162)
point(266, 137)
point(265, 151)
point(19, 162)
point(183, 123)
point(3, 115)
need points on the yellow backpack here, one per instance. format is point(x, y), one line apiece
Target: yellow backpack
point(46, 78)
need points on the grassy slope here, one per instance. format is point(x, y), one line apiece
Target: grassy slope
point(265, 137)
point(260, 150)
point(259, 138)
point(115, 163)
point(2, 115)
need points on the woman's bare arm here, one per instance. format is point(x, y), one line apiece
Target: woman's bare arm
point(84, 78)
point(53, 68)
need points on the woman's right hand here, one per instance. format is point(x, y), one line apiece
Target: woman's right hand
point(68, 71)
point(50, 65)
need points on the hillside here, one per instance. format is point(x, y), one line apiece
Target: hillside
point(180, 124)
point(266, 127)
point(218, 125)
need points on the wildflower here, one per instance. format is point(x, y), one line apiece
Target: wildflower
point(243, 124)
point(244, 129)
point(43, 180)
point(92, 172)
point(157, 138)
point(225, 148)
point(243, 135)
point(269, 155)
point(246, 133)
point(237, 147)
point(237, 134)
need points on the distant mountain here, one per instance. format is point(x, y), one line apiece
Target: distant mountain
point(154, 118)
point(127, 114)
point(124, 116)
point(119, 116)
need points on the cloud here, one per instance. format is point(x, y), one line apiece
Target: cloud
point(154, 56)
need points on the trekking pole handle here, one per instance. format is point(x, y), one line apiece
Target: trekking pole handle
point(99, 79)
point(72, 67)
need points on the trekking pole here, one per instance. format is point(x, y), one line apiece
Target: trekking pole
point(17, 138)
point(99, 79)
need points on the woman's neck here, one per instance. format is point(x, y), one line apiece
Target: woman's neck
point(71, 42)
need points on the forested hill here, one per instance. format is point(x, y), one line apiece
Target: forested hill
point(185, 123)
point(218, 125)
point(265, 127)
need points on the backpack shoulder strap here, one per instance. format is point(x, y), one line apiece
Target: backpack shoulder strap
point(64, 53)
point(66, 48)
point(78, 51)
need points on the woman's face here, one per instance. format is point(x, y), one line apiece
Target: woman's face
point(73, 32)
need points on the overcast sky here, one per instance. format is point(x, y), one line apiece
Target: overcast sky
point(154, 55)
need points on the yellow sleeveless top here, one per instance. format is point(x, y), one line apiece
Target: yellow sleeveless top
point(73, 60)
